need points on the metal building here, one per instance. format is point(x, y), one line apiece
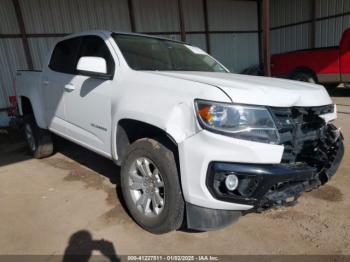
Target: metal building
point(230, 30)
point(302, 24)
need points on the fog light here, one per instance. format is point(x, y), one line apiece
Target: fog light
point(231, 182)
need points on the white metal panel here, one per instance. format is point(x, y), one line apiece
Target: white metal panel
point(285, 12)
point(346, 22)
point(291, 38)
point(12, 59)
point(232, 15)
point(175, 37)
point(8, 23)
point(193, 15)
point(332, 7)
point(40, 48)
point(329, 32)
point(236, 51)
point(197, 40)
point(66, 16)
point(156, 15)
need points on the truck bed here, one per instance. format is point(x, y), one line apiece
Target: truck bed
point(25, 78)
point(26, 82)
point(319, 60)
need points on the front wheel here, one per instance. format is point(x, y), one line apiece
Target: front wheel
point(151, 186)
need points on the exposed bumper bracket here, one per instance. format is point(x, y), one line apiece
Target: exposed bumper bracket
point(275, 185)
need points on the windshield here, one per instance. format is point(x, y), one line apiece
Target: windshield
point(146, 53)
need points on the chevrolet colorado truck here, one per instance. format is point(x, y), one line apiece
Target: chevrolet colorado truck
point(329, 66)
point(198, 146)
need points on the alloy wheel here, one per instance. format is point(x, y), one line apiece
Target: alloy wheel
point(146, 187)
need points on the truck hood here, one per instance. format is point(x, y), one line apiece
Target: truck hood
point(256, 90)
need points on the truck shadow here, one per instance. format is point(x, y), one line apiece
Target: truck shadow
point(91, 160)
point(339, 92)
point(102, 166)
point(13, 148)
point(81, 246)
point(98, 164)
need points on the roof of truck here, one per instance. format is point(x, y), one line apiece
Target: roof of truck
point(108, 33)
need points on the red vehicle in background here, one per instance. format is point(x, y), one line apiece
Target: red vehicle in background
point(329, 66)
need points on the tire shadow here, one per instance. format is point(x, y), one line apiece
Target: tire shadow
point(339, 92)
point(99, 164)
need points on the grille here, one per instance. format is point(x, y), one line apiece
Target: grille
point(303, 133)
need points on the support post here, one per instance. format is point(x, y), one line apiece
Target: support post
point(181, 21)
point(266, 37)
point(206, 25)
point(131, 16)
point(24, 38)
point(259, 11)
point(313, 23)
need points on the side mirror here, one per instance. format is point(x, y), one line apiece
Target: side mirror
point(93, 66)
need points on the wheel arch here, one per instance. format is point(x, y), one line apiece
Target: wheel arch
point(303, 69)
point(129, 130)
point(30, 105)
point(25, 106)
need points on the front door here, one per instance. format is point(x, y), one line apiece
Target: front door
point(88, 103)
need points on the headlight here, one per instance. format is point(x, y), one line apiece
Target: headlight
point(253, 123)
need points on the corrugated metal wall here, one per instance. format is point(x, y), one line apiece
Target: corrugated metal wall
point(285, 12)
point(194, 22)
point(11, 53)
point(65, 16)
point(329, 31)
point(298, 15)
point(236, 50)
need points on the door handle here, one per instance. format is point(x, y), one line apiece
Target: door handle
point(46, 82)
point(69, 87)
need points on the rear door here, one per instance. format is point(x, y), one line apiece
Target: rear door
point(56, 76)
point(345, 57)
point(88, 104)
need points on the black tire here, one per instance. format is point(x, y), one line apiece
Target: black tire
point(171, 216)
point(304, 76)
point(41, 146)
point(331, 86)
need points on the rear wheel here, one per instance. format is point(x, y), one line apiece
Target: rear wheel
point(38, 140)
point(151, 186)
point(304, 76)
point(332, 86)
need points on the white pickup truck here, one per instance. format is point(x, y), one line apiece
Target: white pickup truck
point(198, 146)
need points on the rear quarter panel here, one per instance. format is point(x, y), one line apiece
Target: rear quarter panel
point(28, 84)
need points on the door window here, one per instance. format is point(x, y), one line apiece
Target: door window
point(64, 56)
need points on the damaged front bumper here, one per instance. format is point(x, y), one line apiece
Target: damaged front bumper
point(266, 186)
point(312, 150)
point(262, 186)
